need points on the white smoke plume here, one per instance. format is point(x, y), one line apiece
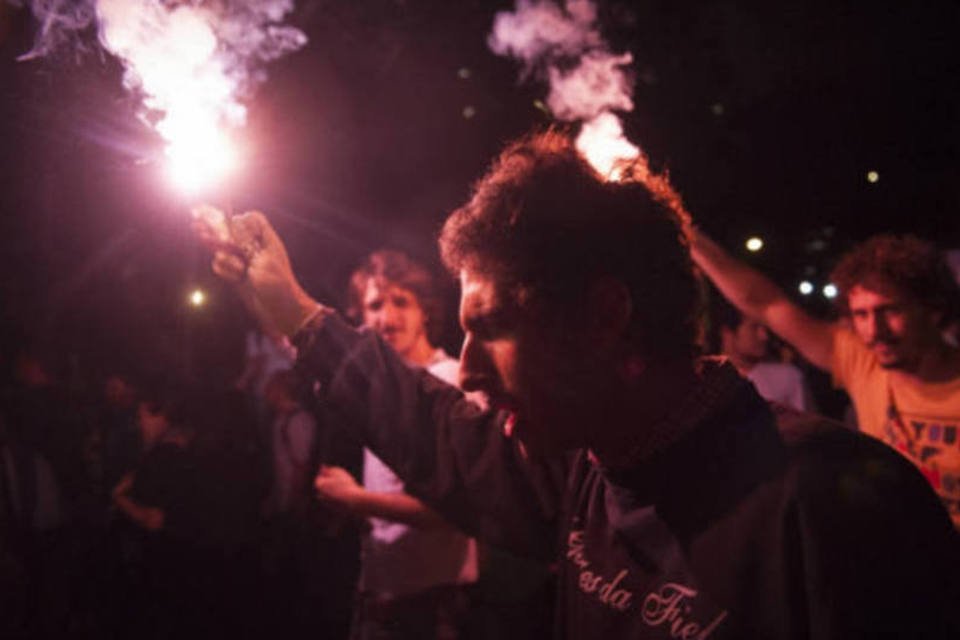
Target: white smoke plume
point(588, 82)
point(193, 63)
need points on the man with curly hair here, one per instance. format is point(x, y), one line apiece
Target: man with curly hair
point(415, 567)
point(897, 297)
point(690, 509)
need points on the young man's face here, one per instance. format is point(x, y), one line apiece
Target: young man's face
point(526, 366)
point(395, 314)
point(748, 342)
point(896, 329)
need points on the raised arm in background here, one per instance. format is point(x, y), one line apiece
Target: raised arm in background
point(756, 296)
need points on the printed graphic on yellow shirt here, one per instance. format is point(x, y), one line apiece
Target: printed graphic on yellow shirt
point(932, 445)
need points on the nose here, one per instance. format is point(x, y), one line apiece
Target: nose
point(390, 314)
point(881, 328)
point(383, 317)
point(876, 327)
point(475, 366)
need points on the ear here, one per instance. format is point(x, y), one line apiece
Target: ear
point(609, 311)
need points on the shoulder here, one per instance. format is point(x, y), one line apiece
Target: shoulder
point(852, 477)
point(815, 441)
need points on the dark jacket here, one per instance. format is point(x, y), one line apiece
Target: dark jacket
point(754, 524)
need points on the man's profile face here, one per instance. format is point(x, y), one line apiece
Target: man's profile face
point(749, 341)
point(896, 329)
point(395, 313)
point(514, 355)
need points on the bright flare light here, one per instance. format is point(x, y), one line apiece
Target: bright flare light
point(174, 60)
point(830, 291)
point(873, 177)
point(197, 298)
point(198, 162)
point(754, 244)
point(192, 64)
point(806, 287)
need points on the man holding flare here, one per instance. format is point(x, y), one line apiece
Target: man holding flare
point(691, 510)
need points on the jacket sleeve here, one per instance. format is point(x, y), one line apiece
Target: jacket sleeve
point(880, 557)
point(449, 453)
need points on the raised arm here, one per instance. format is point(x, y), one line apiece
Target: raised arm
point(757, 297)
point(450, 454)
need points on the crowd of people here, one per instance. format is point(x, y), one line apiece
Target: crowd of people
point(584, 470)
point(145, 509)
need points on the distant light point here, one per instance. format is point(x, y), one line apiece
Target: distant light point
point(464, 73)
point(830, 291)
point(806, 287)
point(717, 108)
point(469, 111)
point(754, 244)
point(197, 298)
point(873, 177)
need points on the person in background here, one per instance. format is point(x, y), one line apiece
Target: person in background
point(293, 438)
point(293, 546)
point(414, 563)
point(159, 499)
point(29, 511)
point(265, 353)
point(746, 343)
point(115, 438)
point(888, 352)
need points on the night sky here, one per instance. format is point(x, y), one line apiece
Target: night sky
point(768, 116)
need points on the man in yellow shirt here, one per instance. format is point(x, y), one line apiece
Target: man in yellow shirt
point(889, 352)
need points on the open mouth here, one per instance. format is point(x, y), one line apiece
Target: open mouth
point(510, 424)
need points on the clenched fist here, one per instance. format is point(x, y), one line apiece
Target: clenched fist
point(248, 253)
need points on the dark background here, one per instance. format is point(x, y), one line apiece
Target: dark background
point(768, 116)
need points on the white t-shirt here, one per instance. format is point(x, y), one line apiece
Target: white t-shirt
point(399, 559)
point(781, 383)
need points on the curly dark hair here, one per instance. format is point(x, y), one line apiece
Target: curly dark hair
point(542, 219)
point(906, 263)
point(400, 270)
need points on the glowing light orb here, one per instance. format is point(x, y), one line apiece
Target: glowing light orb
point(806, 287)
point(873, 177)
point(754, 244)
point(197, 298)
point(830, 291)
